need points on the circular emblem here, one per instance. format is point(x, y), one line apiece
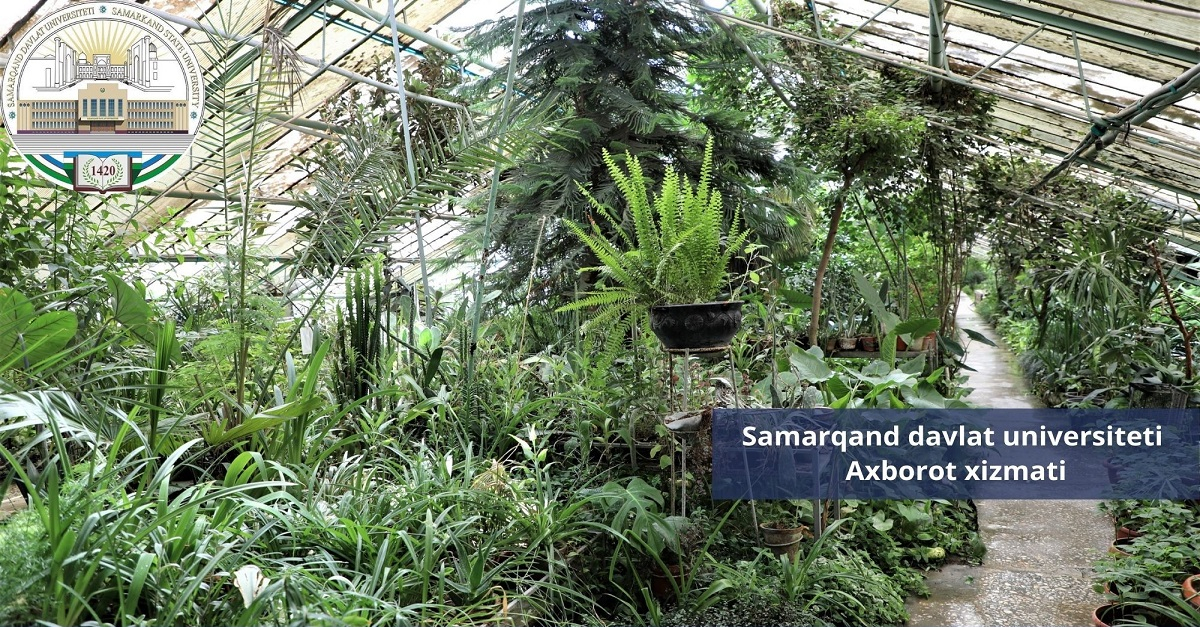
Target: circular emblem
point(102, 98)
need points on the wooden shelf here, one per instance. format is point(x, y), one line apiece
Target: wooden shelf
point(872, 354)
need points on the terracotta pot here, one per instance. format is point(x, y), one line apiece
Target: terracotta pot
point(1106, 615)
point(847, 343)
point(698, 326)
point(660, 582)
point(901, 345)
point(870, 343)
point(1190, 591)
point(830, 345)
point(1118, 547)
point(784, 541)
point(1125, 532)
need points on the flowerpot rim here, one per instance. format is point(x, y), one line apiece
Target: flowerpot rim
point(1193, 582)
point(765, 525)
point(711, 302)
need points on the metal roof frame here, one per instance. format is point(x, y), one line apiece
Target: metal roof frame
point(1056, 66)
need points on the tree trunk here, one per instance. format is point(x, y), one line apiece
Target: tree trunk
point(839, 204)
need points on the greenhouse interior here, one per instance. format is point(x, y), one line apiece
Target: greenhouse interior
point(494, 312)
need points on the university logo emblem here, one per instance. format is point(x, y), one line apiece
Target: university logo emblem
point(102, 96)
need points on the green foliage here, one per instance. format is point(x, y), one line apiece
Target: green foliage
point(677, 252)
point(1076, 289)
point(1161, 557)
point(27, 337)
point(825, 585)
point(617, 74)
point(23, 558)
point(361, 327)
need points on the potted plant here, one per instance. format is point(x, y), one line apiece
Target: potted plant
point(673, 264)
point(848, 324)
point(783, 534)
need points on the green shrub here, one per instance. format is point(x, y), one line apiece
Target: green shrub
point(23, 558)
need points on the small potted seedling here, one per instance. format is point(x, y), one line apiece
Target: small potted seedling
point(784, 533)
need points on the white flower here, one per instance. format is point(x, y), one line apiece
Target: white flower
point(250, 582)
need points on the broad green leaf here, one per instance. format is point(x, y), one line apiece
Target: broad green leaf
point(48, 334)
point(837, 387)
point(978, 337)
point(131, 309)
point(916, 365)
point(808, 366)
point(886, 318)
point(917, 327)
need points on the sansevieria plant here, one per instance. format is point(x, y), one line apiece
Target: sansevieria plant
point(677, 253)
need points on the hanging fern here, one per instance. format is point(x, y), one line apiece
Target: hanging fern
point(677, 251)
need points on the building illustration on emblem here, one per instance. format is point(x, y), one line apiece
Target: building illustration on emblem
point(74, 94)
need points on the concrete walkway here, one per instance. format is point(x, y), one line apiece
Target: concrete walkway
point(1040, 553)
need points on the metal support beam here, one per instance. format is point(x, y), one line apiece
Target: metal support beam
point(1104, 33)
point(1105, 130)
point(844, 38)
point(1010, 50)
point(762, 9)
point(251, 41)
point(407, 30)
point(1083, 89)
point(937, 40)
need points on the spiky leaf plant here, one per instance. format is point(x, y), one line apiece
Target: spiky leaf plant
point(676, 253)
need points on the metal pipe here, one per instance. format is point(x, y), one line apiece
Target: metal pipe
point(251, 41)
point(937, 40)
point(1005, 54)
point(419, 35)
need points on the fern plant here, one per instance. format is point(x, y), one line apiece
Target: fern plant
point(677, 253)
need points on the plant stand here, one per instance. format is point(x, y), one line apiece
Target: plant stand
point(687, 426)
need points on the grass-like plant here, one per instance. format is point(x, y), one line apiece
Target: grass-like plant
point(678, 251)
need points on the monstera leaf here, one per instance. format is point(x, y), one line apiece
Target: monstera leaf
point(28, 338)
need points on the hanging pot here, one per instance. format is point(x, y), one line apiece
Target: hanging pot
point(696, 327)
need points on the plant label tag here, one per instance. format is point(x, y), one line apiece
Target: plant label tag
point(103, 173)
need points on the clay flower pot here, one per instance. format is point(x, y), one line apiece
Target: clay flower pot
point(1106, 615)
point(1125, 533)
point(783, 541)
point(870, 343)
point(660, 582)
point(1119, 546)
point(1191, 589)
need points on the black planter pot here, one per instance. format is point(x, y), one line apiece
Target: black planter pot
point(698, 327)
